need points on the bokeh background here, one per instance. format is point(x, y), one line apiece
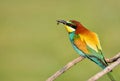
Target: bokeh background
point(33, 46)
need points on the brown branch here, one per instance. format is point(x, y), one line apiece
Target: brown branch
point(75, 61)
point(113, 59)
point(105, 71)
point(65, 68)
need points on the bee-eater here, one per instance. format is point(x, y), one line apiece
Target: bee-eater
point(86, 43)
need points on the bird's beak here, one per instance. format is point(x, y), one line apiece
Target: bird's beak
point(61, 21)
point(69, 27)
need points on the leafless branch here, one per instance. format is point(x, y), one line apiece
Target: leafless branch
point(113, 59)
point(65, 68)
point(79, 59)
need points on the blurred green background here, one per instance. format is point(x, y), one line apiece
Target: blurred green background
point(33, 46)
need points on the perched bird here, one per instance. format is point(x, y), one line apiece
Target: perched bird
point(86, 43)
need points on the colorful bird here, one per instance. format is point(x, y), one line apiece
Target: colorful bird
point(85, 42)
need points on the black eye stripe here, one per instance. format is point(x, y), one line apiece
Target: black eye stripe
point(71, 25)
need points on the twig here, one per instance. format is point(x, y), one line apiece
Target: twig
point(105, 71)
point(65, 68)
point(75, 61)
point(113, 59)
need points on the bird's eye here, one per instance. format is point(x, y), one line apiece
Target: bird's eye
point(69, 24)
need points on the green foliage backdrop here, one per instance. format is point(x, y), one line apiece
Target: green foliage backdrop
point(33, 47)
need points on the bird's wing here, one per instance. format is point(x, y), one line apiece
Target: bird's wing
point(81, 45)
point(88, 40)
point(90, 46)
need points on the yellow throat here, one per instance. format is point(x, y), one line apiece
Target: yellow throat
point(69, 29)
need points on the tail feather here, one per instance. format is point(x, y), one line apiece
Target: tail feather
point(102, 64)
point(110, 76)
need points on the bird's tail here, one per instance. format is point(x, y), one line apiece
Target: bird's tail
point(110, 76)
point(103, 64)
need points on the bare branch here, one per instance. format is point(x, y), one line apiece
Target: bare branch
point(113, 59)
point(105, 71)
point(65, 68)
point(79, 59)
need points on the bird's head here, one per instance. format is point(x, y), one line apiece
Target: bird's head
point(69, 25)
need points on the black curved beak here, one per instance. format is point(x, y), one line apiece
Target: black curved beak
point(61, 21)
